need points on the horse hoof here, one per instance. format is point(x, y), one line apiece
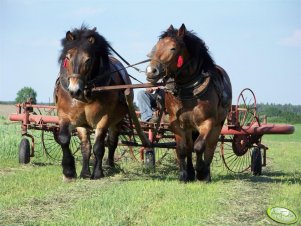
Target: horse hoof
point(85, 175)
point(97, 176)
point(111, 164)
point(190, 175)
point(206, 177)
point(190, 178)
point(68, 179)
point(183, 176)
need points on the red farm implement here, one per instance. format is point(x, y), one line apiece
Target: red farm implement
point(241, 148)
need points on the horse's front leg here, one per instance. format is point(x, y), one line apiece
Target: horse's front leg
point(112, 145)
point(99, 151)
point(189, 148)
point(206, 144)
point(68, 163)
point(85, 143)
point(181, 156)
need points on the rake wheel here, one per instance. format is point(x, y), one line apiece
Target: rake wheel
point(235, 153)
point(53, 150)
point(246, 108)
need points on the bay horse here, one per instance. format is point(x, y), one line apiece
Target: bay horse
point(198, 97)
point(85, 62)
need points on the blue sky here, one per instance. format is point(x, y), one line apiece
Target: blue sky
point(257, 42)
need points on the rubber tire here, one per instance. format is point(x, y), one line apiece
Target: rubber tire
point(256, 161)
point(149, 160)
point(24, 151)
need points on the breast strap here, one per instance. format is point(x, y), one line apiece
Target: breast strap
point(194, 89)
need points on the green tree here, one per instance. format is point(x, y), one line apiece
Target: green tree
point(25, 94)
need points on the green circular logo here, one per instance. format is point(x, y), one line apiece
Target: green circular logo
point(282, 215)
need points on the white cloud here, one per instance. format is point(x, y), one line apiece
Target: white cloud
point(87, 11)
point(293, 40)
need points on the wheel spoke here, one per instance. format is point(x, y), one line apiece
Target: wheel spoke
point(246, 110)
point(233, 162)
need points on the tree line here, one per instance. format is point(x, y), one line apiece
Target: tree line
point(280, 113)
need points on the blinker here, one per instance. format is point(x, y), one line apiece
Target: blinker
point(180, 62)
point(65, 63)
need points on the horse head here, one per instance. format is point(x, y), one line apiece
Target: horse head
point(168, 55)
point(84, 57)
point(178, 54)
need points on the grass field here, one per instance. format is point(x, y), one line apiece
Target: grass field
point(34, 194)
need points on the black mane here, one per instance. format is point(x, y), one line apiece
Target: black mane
point(196, 47)
point(100, 48)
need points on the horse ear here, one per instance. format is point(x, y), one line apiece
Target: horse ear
point(171, 28)
point(94, 29)
point(69, 36)
point(182, 30)
point(91, 40)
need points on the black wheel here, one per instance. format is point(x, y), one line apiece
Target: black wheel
point(256, 161)
point(24, 151)
point(149, 160)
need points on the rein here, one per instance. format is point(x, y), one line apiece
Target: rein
point(127, 63)
point(92, 83)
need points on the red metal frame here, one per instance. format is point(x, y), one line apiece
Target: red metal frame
point(254, 131)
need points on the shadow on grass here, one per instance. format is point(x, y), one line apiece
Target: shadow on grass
point(138, 171)
point(112, 171)
point(266, 177)
point(39, 164)
point(168, 170)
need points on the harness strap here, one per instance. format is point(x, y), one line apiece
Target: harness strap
point(194, 89)
point(202, 87)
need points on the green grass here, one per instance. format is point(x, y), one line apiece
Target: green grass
point(34, 194)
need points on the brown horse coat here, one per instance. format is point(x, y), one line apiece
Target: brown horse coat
point(85, 63)
point(199, 102)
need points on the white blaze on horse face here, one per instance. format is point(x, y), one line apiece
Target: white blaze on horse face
point(75, 85)
point(152, 71)
point(149, 69)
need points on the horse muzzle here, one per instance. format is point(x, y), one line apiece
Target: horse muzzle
point(152, 74)
point(75, 87)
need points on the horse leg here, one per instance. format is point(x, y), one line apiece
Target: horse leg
point(84, 137)
point(181, 156)
point(99, 151)
point(200, 146)
point(211, 142)
point(205, 144)
point(112, 145)
point(68, 163)
point(190, 169)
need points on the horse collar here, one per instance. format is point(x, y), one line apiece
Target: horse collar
point(194, 88)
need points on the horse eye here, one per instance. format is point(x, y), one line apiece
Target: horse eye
point(88, 61)
point(173, 49)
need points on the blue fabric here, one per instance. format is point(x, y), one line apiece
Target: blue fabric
point(147, 104)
